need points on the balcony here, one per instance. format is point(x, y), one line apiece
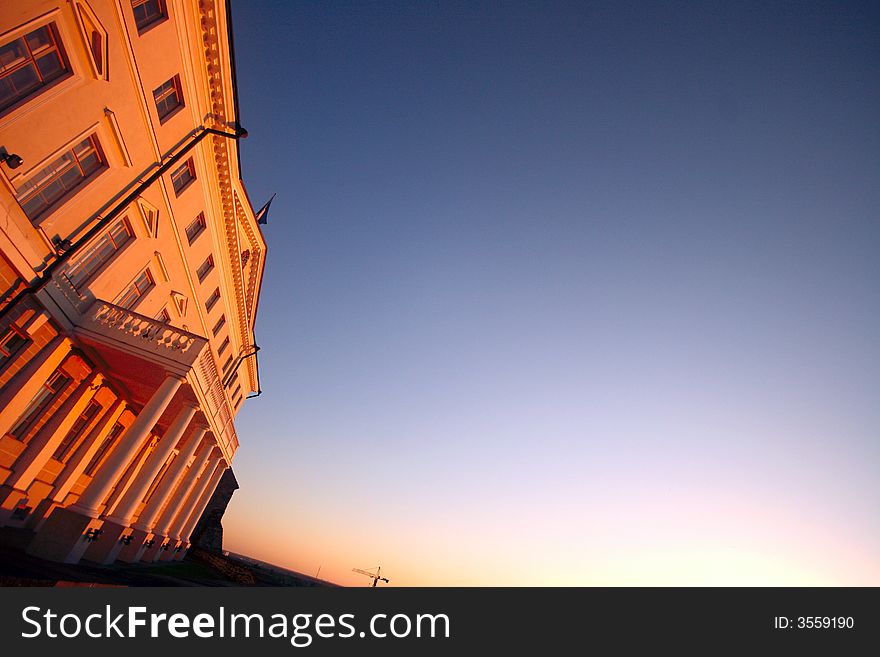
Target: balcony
point(139, 351)
point(141, 335)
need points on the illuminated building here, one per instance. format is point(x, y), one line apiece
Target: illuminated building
point(130, 268)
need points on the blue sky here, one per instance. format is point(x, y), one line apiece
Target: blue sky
point(588, 289)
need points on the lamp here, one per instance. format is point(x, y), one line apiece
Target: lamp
point(12, 160)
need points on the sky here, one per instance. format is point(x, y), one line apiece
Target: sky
point(564, 293)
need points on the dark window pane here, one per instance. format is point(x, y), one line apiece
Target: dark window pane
point(30, 63)
point(24, 79)
point(52, 183)
point(39, 39)
point(12, 54)
point(147, 12)
point(50, 66)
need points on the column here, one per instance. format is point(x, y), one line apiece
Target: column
point(160, 496)
point(43, 445)
point(175, 505)
point(129, 474)
point(65, 536)
point(131, 440)
point(129, 502)
point(197, 509)
point(77, 463)
point(129, 546)
point(24, 385)
point(144, 549)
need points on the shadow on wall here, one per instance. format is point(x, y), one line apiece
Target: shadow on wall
point(208, 533)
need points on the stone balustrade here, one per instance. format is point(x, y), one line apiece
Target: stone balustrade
point(141, 332)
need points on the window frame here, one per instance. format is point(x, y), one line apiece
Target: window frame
point(104, 449)
point(176, 89)
point(7, 355)
point(94, 250)
point(218, 326)
point(190, 167)
point(66, 70)
point(77, 431)
point(39, 403)
point(205, 268)
point(161, 17)
point(133, 288)
point(55, 176)
point(201, 225)
point(213, 300)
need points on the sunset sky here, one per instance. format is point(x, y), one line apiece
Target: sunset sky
point(564, 293)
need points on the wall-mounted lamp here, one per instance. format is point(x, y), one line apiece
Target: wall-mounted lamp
point(93, 534)
point(11, 160)
point(126, 540)
point(149, 543)
point(63, 246)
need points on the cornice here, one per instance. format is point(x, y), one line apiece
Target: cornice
point(214, 69)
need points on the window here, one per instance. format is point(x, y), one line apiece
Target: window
point(169, 98)
point(41, 401)
point(205, 268)
point(147, 13)
point(163, 316)
point(212, 300)
point(29, 64)
point(183, 176)
point(139, 287)
point(227, 365)
point(232, 381)
point(195, 228)
point(77, 430)
point(219, 325)
point(53, 183)
point(237, 391)
point(12, 341)
point(223, 347)
point(115, 432)
point(100, 253)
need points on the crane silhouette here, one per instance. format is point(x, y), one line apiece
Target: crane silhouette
point(374, 576)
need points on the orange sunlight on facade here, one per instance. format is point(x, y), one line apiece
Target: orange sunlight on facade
point(130, 269)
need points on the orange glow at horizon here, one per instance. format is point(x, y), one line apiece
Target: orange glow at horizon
point(714, 542)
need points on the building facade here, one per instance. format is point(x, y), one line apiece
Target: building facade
point(130, 268)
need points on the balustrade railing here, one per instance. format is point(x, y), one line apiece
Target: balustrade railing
point(142, 332)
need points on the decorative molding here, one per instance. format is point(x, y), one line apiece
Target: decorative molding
point(150, 216)
point(254, 258)
point(221, 147)
point(117, 135)
point(179, 302)
point(95, 39)
point(160, 265)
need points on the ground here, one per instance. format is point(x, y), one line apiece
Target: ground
point(198, 568)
